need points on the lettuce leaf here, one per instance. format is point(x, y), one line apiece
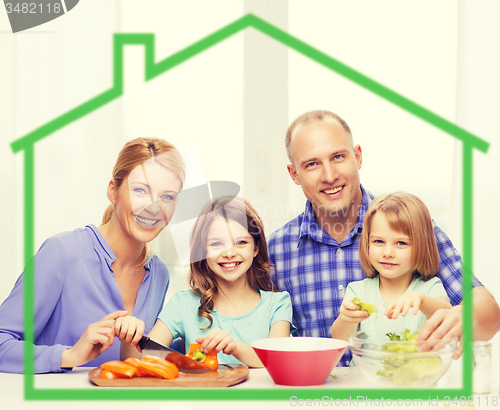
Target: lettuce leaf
point(369, 307)
point(404, 370)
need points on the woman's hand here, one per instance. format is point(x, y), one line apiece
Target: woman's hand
point(403, 303)
point(95, 340)
point(129, 329)
point(219, 340)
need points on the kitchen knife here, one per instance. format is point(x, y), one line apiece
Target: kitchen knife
point(183, 363)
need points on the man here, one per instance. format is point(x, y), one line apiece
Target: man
point(315, 256)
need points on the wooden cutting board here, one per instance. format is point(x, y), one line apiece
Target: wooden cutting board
point(225, 376)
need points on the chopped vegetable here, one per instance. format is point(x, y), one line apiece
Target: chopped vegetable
point(134, 361)
point(393, 336)
point(161, 371)
point(199, 356)
point(407, 336)
point(120, 368)
point(107, 374)
point(408, 371)
point(209, 359)
point(157, 360)
point(148, 366)
point(368, 307)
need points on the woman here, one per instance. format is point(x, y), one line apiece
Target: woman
point(93, 284)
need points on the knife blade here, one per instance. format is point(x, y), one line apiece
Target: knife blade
point(183, 363)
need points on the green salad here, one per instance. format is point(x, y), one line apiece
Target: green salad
point(408, 371)
point(369, 307)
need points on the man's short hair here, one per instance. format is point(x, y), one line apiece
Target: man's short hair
point(308, 117)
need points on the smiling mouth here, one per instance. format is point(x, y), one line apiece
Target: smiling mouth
point(229, 265)
point(333, 190)
point(146, 222)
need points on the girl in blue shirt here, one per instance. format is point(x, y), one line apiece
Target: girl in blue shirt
point(399, 255)
point(232, 300)
point(95, 283)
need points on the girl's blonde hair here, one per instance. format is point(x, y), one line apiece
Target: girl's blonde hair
point(201, 278)
point(407, 214)
point(133, 154)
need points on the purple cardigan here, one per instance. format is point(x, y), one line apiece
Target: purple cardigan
point(74, 287)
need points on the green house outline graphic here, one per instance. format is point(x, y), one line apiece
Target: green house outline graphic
point(153, 69)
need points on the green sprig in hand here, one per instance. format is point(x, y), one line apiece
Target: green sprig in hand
point(368, 307)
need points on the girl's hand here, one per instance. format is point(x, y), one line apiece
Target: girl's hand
point(351, 313)
point(404, 303)
point(95, 340)
point(129, 329)
point(219, 340)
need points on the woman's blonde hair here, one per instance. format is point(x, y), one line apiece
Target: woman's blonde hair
point(133, 154)
point(407, 214)
point(201, 279)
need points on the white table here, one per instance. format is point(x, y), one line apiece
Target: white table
point(11, 391)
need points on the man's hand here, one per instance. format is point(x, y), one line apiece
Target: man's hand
point(444, 324)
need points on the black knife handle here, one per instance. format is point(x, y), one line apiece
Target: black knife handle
point(143, 342)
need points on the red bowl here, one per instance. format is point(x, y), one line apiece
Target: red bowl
point(299, 361)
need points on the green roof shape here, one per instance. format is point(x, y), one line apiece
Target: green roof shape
point(154, 69)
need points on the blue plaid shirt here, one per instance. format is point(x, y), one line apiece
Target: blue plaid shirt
point(315, 269)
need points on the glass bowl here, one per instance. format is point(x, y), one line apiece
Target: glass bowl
point(401, 363)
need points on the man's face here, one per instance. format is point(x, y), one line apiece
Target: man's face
point(326, 167)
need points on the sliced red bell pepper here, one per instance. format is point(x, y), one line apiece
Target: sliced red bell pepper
point(169, 366)
point(134, 362)
point(159, 370)
point(209, 359)
point(157, 360)
point(121, 368)
point(106, 374)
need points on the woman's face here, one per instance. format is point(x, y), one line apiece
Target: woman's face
point(146, 200)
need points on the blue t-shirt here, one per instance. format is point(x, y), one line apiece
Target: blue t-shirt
point(74, 287)
point(180, 315)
